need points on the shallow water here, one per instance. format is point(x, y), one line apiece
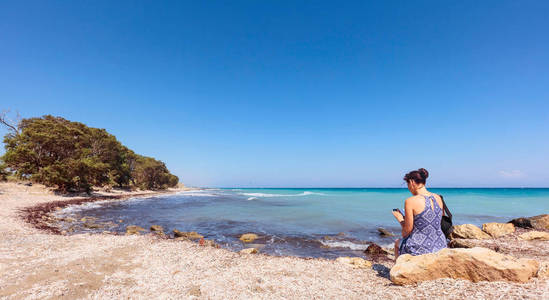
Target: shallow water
point(304, 222)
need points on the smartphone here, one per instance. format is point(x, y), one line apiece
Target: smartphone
point(396, 209)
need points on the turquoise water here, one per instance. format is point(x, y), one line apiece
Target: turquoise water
point(308, 222)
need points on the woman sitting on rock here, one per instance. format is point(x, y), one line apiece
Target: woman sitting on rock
point(421, 222)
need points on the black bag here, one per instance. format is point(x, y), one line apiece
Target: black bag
point(446, 222)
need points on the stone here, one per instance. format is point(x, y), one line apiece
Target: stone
point(192, 235)
point(540, 222)
point(133, 229)
point(461, 243)
point(375, 249)
point(92, 225)
point(69, 219)
point(195, 291)
point(355, 262)
point(385, 232)
point(476, 264)
point(248, 237)
point(535, 235)
point(498, 229)
point(248, 251)
point(468, 231)
point(522, 223)
point(157, 228)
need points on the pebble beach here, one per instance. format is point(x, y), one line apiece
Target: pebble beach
point(40, 264)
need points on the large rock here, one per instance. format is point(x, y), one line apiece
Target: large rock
point(521, 222)
point(540, 222)
point(192, 235)
point(498, 229)
point(355, 262)
point(133, 229)
point(248, 237)
point(468, 231)
point(535, 235)
point(476, 264)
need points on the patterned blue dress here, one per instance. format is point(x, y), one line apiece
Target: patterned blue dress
point(426, 236)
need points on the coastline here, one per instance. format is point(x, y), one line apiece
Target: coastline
point(105, 266)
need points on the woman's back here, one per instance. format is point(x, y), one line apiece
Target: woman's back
point(426, 235)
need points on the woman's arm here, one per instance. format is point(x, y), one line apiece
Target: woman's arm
point(408, 223)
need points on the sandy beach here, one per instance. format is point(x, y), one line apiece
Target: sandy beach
point(37, 264)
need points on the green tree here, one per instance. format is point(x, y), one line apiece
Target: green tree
point(73, 157)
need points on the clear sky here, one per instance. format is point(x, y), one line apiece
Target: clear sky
point(295, 93)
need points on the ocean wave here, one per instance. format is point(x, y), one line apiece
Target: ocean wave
point(196, 194)
point(267, 195)
point(344, 244)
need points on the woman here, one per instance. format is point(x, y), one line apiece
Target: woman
point(421, 220)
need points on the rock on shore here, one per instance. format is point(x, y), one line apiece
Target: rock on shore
point(535, 235)
point(476, 264)
point(468, 231)
point(498, 229)
point(355, 262)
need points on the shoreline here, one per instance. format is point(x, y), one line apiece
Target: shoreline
point(47, 265)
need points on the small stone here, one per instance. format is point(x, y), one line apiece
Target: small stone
point(248, 251)
point(195, 291)
point(385, 232)
point(92, 225)
point(189, 235)
point(375, 249)
point(133, 229)
point(355, 262)
point(248, 237)
point(157, 228)
point(535, 235)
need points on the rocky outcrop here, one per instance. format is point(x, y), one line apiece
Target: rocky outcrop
point(375, 249)
point(248, 251)
point(468, 231)
point(192, 235)
point(355, 262)
point(476, 264)
point(384, 232)
point(540, 222)
point(133, 229)
point(535, 235)
point(248, 237)
point(498, 229)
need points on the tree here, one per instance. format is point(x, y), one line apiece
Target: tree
point(73, 157)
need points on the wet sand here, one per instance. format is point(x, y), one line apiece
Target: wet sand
point(37, 263)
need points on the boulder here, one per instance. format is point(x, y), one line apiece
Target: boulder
point(498, 229)
point(521, 222)
point(157, 228)
point(355, 262)
point(468, 231)
point(535, 235)
point(248, 237)
point(248, 251)
point(476, 264)
point(192, 235)
point(133, 229)
point(540, 222)
point(385, 232)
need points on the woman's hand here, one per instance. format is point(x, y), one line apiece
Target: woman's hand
point(398, 216)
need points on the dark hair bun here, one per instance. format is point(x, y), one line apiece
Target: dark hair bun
point(423, 173)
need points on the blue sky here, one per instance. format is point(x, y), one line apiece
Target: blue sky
point(295, 93)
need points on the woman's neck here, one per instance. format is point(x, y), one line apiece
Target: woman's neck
point(422, 191)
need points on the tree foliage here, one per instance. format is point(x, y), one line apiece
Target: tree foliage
point(74, 157)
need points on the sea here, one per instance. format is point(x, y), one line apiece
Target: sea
point(304, 222)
